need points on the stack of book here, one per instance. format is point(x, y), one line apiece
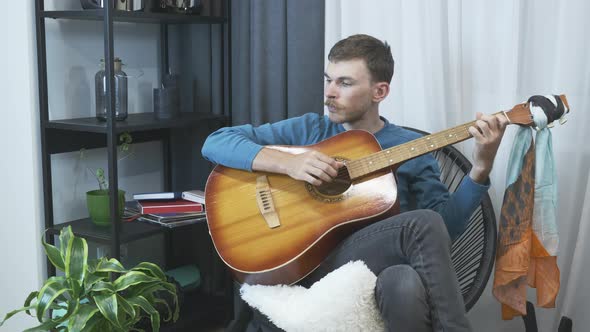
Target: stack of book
point(166, 209)
point(197, 196)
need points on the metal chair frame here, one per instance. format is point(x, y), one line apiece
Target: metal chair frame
point(474, 251)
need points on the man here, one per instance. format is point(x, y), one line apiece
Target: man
point(416, 289)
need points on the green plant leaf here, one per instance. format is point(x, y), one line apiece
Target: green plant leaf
point(71, 309)
point(76, 259)
point(133, 278)
point(64, 238)
point(76, 288)
point(168, 309)
point(44, 327)
point(107, 304)
point(79, 320)
point(150, 269)
point(93, 278)
point(92, 264)
point(53, 288)
point(87, 298)
point(145, 305)
point(136, 330)
point(128, 314)
point(14, 312)
point(95, 323)
point(148, 289)
point(172, 291)
point(125, 139)
point(124, 304)
point(54, 255)
point(100, 177)
point(58, 306)
point(144, 289)
point(104, 287)
point(99, 324)
point(28, 301)
point(111, 265)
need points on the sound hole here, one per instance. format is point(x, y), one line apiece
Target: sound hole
point(339, 184)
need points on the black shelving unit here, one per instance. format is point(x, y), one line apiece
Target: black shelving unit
point(134, 17)
point(67, 135)
point(134, 122)
point(130, 231)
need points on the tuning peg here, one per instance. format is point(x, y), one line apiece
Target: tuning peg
point(551, 125)
point(562, 120)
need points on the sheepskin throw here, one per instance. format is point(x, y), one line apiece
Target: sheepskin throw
point(343, 300)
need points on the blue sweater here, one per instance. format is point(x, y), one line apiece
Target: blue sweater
point(418, 180)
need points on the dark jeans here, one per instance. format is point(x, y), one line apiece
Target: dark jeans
point(417, 288)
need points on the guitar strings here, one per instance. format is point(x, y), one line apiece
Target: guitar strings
point(406, 151)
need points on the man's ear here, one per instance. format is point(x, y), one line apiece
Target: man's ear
point(380, 91)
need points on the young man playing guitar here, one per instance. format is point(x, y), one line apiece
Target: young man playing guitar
point(416, 289)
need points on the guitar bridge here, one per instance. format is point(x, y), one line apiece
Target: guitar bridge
point(265, 202)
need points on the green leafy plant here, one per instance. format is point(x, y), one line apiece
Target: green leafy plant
point(97, 295)
point(124, 151)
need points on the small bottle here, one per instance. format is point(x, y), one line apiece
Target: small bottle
point(120, 92)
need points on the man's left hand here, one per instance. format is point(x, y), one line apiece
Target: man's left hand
point(487, 131)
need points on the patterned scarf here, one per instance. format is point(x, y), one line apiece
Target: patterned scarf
point(528, 239)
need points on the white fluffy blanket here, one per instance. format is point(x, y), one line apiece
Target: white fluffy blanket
point(341, 301)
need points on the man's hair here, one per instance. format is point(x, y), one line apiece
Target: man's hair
point(375, 53)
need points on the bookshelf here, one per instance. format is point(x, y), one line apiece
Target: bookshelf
point(133, 17)
point(134, 122)
point(130, 231)
point(183, 168)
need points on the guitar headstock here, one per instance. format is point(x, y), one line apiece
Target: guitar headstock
point(521, 113)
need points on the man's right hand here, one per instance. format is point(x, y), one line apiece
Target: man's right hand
point(311, 166)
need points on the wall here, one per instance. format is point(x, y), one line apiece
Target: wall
point(21, 196)
point(73, 51)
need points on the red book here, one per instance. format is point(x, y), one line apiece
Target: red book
point(168, 206)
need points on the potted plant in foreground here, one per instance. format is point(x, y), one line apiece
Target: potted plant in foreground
point(97, 201)
point(87, 298)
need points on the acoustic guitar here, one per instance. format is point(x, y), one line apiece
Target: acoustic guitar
point(271, 229)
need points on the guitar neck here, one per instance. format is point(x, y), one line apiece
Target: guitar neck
point(403, 152)
point(520, 114)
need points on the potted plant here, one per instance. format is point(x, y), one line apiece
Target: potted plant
point(97, 295)
point(97, 200)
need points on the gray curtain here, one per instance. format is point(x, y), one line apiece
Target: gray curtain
point(277, 59)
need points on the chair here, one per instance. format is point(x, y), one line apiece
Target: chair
point(473, 252)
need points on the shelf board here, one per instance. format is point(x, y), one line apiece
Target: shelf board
point(130, 231)
point(134, 122)
point(133, 16)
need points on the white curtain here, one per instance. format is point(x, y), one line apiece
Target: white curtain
point(453, 58)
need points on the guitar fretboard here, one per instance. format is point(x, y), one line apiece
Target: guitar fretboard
point(400, 153)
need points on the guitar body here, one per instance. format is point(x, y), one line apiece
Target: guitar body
point(312, 222)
